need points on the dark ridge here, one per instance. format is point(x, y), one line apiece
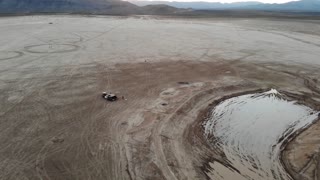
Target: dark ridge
point(107, 7)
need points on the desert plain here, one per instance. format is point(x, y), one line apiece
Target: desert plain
point(167, 73)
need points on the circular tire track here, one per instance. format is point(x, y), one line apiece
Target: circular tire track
point(5, 55)
point(51, 48)
point(66, 40)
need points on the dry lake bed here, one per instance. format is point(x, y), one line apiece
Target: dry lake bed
point(201, 98)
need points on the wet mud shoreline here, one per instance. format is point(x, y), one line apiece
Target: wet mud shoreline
point(284, 139)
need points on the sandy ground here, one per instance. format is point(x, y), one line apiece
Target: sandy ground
point(55, 125)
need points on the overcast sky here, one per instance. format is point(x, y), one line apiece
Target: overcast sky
point(264, 1)
point(229, 1)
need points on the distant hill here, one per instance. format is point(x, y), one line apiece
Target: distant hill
point(302, 5)
point(68, 6)
point(158, 9)
point(113, 7)
point(198, 5)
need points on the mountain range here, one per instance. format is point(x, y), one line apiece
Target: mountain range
point(64, 6)
point(118, 7)
point(197, 5)
point(302, 5)
point(112, 7)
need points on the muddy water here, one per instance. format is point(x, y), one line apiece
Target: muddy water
point(250, 129)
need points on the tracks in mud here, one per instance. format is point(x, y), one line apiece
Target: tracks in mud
point(5, 55)
point(107, 141)
point(172, 157)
